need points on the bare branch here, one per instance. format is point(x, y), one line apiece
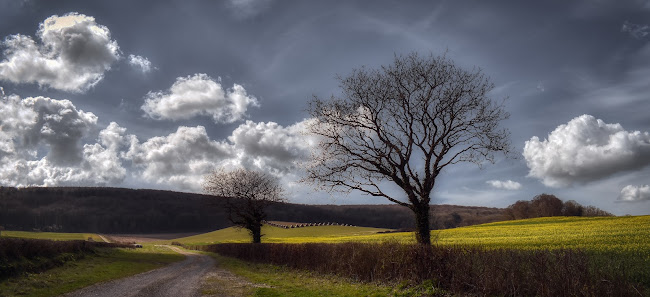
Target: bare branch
point(404, 123)
point(247, 194)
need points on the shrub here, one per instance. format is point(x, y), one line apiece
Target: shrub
point(178, 244)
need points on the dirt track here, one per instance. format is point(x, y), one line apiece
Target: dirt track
point(142, 238)
point(178, 279)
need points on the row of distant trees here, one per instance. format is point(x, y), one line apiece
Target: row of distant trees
point(546, 205)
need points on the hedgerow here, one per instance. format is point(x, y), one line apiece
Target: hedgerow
point(463, 270)
point(20, 255)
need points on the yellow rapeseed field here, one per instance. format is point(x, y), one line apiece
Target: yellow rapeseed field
point(593, 233)
point(616, 234)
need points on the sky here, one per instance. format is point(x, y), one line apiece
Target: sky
point(129, 94)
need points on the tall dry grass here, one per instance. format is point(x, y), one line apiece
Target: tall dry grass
point(462, 270)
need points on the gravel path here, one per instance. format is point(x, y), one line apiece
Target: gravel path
point(178, 279)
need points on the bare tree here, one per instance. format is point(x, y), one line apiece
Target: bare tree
point(572, 208)
point(546, 205)
point(403, 124)
point(247, 194)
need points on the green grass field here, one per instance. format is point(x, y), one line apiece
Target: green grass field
point(52, 235)
point(276, 234)
point(106, 265)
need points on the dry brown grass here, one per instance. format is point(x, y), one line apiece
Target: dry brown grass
point(462, 270)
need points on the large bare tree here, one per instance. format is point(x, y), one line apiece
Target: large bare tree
point(247, 194)
point(403, 124)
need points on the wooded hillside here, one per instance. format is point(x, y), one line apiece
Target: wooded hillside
point(117, 210)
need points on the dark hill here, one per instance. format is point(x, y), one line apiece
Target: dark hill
point(117, 210)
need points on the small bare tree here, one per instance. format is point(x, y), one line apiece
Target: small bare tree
point(247, 194)
point(403, 124)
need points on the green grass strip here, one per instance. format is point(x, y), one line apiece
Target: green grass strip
point(52, 235)
point(107, 264)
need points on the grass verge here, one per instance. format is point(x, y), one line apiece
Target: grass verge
point(275, 280)
point(52, 235)
point(106, 264)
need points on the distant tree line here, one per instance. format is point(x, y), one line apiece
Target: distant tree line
point(386, 216)
point(546, 205)
point(107, 210)
point(118, 210)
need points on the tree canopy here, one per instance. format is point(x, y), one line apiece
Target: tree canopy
point(247, 195)
point(403, 124)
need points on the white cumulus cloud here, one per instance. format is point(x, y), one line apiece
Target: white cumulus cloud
point(507, 185)
point(197, 95)
point(272, 147)
point(42, 144)
point(585, 149)
point(631, 193)
point(33, 122)
point(182, 158)
point(179, 159)
point(70, 53)
point(49, 142)
point(141, 63)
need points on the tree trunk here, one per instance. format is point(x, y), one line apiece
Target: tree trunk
point(256, 232)
point(422, 231)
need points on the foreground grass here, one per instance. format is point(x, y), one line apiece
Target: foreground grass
point(51, 235)
point(106, 265)
point(273, 280)
point(276, 234)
